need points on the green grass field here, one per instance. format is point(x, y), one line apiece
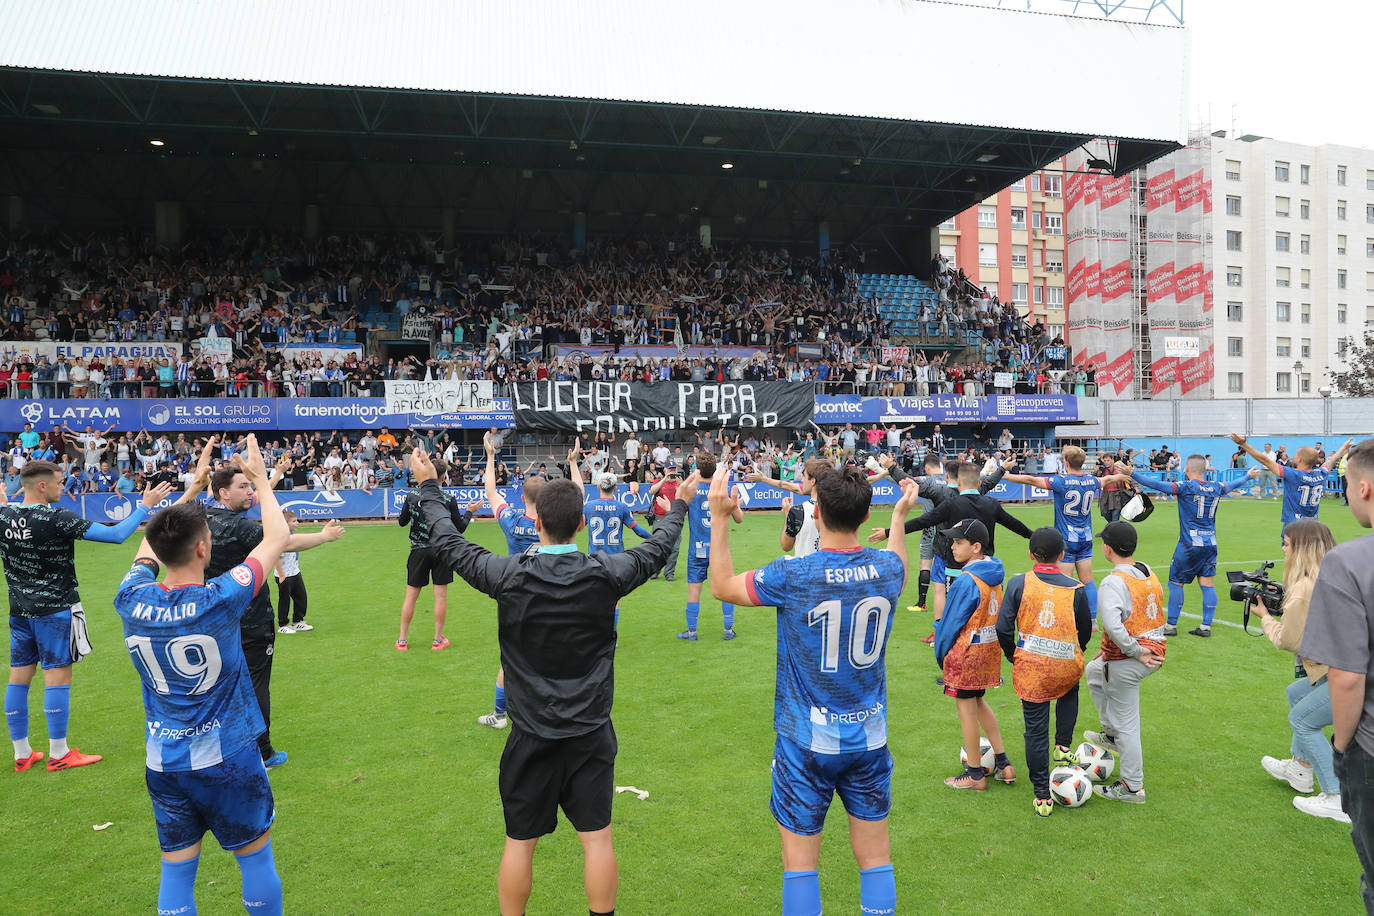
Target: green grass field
point(389, 802)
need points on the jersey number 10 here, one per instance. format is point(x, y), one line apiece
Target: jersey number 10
point(863, 651)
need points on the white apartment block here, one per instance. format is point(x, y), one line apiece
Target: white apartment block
point(1293, 246)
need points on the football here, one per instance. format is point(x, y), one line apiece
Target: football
point(985, 754)
point(1070, 786)
point(1097, 762)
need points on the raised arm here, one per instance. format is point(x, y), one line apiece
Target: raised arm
point(1259, 456)
point(275, 531)
point(119, 533)
point(1244, 481)
point(494, 499)
point(574, 472)
point(1011, 522)
point(910, 494)
point(1335, 458)
point(1154, 483)
point(787, 485)
point(725, 585)
point(1026, 479)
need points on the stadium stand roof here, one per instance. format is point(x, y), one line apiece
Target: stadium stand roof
point(874, 115)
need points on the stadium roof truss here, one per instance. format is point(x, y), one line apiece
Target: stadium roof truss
point(386, 147)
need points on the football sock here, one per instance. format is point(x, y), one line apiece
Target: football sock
point(877, 891)
point(1209, 604)
point(56, 704)
point(177, 893)
point(728, 612)
point(596, 913)
point(1090, 588)
point(261, 885)
point(17, 718)
point(617, 616)
point(499, 707)
point(923, 588)
point(1000, 760)
point(801, 893)
point(693, 612)
point(1175, 602)
point(976, 772)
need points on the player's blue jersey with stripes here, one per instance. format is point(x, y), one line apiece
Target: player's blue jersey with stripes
point(518, 528)
point(1073, 505)
point(699, 524)
point(188, 651)
point(1197, 505)
point(1302, 493)
point(834, 619)
point(607, 521)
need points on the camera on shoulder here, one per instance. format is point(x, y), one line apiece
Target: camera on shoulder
point(1251, 588)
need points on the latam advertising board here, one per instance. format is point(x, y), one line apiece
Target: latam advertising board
point(1099, 294)
point(1178, 267)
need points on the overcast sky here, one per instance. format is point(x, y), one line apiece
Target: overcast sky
point(1293, 70)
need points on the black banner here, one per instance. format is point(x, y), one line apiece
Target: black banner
point(638, 407)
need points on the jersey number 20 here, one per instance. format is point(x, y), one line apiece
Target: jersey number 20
point(194, 657)
point(864, 651)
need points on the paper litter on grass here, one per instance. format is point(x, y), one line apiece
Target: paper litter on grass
point(102, 826)
point(642, 793)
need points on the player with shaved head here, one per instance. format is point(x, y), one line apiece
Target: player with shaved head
point(1303, 484)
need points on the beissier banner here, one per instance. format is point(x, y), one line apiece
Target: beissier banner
point(611, 406)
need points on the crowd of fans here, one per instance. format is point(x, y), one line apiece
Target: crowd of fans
point(498, 310)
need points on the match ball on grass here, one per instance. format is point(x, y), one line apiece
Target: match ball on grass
point(985, 754)
point(1097, 762)
point(1070, 786)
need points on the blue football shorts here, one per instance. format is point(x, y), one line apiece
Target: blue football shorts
point(804, 783)
point(1191, 563)
point(1078, 550)
point(45, 641)
point(232, 799)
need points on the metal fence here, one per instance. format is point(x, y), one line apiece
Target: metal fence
point(1250, 416)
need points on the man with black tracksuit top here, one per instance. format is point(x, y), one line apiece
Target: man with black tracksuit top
point(939, 483)
point(232, 538)
point(555, 612)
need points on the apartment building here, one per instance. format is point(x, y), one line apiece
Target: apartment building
point(1013, 244)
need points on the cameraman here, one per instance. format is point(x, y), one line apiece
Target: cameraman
point(1305, 544)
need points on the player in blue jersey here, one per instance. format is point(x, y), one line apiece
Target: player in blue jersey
point(1074, 493)
point(1195, 556)
point(607, 518)
point(47, 621)
point(522, 534)
point(699, 559)
point(834, 616)
point(204, 770)
point(1303, 484)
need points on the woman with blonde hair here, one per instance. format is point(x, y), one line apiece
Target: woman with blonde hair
point(1305, 543)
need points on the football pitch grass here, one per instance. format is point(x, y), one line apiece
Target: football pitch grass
point(389, 802)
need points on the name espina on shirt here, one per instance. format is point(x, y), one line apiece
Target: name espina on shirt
point(851, 574)
point(157, 613)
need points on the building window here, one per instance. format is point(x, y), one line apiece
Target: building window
point(1018, 217)
point(1234, 311)
point(1235, 382)
point(1304, 244)
point(1306, 383)
point(1019, 184)
point(1019, 292)
point(1280, 171)
point(1369, 282)
point(1283, 277)
point(1283, 382)
point(1054, 185)
point(1369, 213)
point(1232, 206)
point(1369, 315)
point(987, 217)
point(991, 289)
point(1304, 209)
point(1340, 209)
point(1233, 170)
point(948, 224)
point(1281, 205)
point(1054, 262)
point(1305, 276)
point(1235, 346)
point(1305, 174)
point(1054, 297)
point(1369, 179)
point(1056, 330)
point(1340, 244)
point(1018, 255)
point(1340, 279)
point(1232, 240)
point(1038, 295)
point(1283, 346)
point(1035, 219)
point(1342, 347)
point(1340, 313)
point(1054, 224)
point(1340, 175)
point(987, 254)
point(1233, 276)
point(1281, 241)
point(1305, 351)
point(1035, 181)
point(1284, 311)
